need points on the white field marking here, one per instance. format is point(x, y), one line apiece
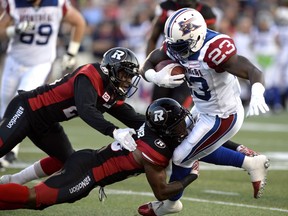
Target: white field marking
point(221, 192)
point(267, 127)
point(111, 191)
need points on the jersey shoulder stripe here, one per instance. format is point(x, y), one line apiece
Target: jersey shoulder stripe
point(92, 73)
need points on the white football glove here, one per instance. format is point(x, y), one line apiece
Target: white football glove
point(124, 137)
point(163, 77)
point(21, 27)
point(68, 62)
point(257, 101)
point(24, 26)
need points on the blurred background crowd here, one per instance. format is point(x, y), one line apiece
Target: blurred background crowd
point(258, 27)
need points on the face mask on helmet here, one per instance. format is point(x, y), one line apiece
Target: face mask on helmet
point(123, 70)
point(185, 32)
point(166, 117)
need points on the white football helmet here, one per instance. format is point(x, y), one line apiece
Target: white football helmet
point(185, 31)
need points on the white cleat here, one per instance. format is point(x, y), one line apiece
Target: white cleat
point(258, 174)
point(160, 208)
point(5, 179)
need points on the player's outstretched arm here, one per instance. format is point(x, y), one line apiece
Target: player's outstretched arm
point(243, 68)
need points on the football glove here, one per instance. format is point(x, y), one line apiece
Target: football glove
point(68, 62)
point(163, 78)
point(19, 28)
point(24, 26)
point(124, 137)
point(257, 101)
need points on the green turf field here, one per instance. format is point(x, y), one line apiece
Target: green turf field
point(219, 191)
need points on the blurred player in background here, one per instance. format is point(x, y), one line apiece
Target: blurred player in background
point(212, 67)
point(32, 27)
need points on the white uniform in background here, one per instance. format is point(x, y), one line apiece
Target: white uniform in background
point(30, 55)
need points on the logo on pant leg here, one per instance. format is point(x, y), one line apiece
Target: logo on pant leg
point(14, 119)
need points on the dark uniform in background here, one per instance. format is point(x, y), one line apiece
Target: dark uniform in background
point(37, 113)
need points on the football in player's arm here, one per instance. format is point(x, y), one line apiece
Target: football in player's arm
point(212, 67)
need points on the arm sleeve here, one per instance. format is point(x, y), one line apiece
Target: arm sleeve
point(127, 115)
point(86, 101)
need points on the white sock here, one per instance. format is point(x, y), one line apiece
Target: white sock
point(247, 162)
point(28, 174)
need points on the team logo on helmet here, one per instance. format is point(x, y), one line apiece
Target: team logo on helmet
point(158, 116)
point(159, 143)
point(118, 55)
point(187, 26)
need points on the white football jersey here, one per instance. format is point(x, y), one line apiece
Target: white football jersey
point(214, 91)
point(39, 45)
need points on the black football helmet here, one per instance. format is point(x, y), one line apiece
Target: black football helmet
point(166, 117)
point(122, 62)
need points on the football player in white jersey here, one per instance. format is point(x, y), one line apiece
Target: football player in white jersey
point(32, 27)
point(212, 67)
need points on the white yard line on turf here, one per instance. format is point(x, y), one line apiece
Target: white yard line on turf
point(111, 191)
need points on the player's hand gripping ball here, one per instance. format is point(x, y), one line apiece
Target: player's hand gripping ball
point(176, 69)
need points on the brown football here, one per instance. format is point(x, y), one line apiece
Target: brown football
point(178, 69)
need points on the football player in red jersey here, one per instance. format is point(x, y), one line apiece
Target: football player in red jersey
point(88, 92)
point(164, 129)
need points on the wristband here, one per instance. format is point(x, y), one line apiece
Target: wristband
point(73, 48)
point(150, 74)
point(10, 31)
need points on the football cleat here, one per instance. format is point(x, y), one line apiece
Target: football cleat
point(8, 159)
point(146, 210)
point(258, 174)
point(246, 151)
point(159, 208)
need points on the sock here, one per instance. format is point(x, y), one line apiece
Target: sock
point(247, 163)
point(231, 145)
point(48, 166)
point(178, 173)
point(26, 175)
point(225, 156)
point(13, 196)
point(39, 169)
